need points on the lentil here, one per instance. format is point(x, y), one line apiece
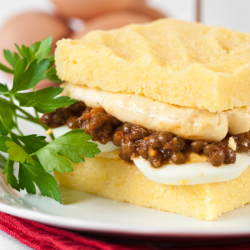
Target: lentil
point(134, 140)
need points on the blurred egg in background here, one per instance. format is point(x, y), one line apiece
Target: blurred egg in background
point(111, 20)
point(141, 6)
point(29, 27)
point(85, 9)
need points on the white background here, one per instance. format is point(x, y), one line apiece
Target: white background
point(234, 14)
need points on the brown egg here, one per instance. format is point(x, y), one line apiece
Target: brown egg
point(27, 28)
point(141, 7)
point(85, 9)
point(111, 20)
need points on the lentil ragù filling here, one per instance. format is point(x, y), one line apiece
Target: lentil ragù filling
point(135, 140)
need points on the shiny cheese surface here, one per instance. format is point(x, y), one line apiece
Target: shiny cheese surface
point(183, 174)
point(190, 123)
point(176, 62)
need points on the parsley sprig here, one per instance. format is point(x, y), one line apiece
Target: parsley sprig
point(35, 157)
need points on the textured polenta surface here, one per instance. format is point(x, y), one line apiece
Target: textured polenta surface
point(121, 181)
point(181, 63)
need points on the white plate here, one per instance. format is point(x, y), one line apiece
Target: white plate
point(86, 212)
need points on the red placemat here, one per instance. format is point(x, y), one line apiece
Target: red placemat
point(42, 237)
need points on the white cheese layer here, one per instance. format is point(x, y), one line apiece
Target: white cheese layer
point(183, 174)
point(189, 123)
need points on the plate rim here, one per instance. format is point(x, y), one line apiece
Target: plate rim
point(91, 227)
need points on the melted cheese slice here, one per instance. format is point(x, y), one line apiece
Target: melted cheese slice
point(189, 123)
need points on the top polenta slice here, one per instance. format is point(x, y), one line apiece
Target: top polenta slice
point(176, 62)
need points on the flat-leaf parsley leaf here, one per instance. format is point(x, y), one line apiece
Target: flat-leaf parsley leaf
point(33, 155)
point(68, 148)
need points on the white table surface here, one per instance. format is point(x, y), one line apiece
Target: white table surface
point(8, 242)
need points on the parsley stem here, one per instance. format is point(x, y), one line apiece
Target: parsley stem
point(21, 133)
point(28, 117)
point(18, 108)
point(37, 116)
point(32, 119)
point(15, 114)
point(5, 125)
point(7, 128)
point(52, 137)
point(12, 135)
point(37, 122)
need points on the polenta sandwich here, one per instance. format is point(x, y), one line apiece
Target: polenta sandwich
point(169, 105)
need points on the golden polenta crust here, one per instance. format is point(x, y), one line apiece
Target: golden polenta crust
point(118, 180)
point(177, 62)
